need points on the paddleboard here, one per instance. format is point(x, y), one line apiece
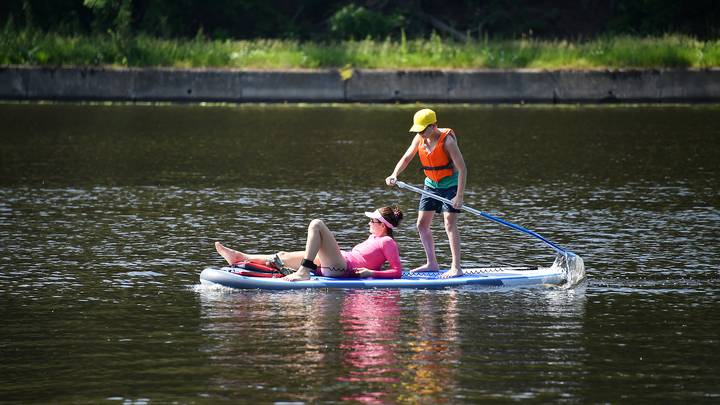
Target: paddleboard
point(487, 277)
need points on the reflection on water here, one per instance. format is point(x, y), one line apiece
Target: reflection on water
point(369, 323)
point(392, 346)
point(435, 354)
point(370, 326)
point(108, 214)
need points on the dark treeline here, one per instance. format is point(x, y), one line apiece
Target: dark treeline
point(335, 19)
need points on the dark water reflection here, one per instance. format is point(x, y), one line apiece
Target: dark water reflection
point(108, 214)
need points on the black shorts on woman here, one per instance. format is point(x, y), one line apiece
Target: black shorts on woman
point(431, 204)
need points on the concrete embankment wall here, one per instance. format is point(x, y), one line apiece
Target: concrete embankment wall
point(450, 86)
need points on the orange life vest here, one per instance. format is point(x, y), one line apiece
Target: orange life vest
point(436, 164)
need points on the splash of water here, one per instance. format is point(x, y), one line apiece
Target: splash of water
point(573, 266)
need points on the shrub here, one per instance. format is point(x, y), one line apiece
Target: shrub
point(357, 22)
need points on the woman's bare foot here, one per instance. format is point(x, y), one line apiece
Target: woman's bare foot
point(302, 274)
point(230, 256)
point(425, 267)
point(454, 272)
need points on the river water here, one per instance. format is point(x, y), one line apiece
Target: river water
point(108, 214)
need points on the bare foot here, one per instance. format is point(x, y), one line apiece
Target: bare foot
point(302, 274)
point(452, 273)
point(425, 267)
point(230, 256)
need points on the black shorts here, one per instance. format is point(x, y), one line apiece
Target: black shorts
point(431, 204)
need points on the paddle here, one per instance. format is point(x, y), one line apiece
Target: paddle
point(553, 245)
point(573, 264)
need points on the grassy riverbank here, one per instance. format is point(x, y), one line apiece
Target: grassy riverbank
point(37, 48)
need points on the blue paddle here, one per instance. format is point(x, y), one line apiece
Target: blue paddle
point(553, 245)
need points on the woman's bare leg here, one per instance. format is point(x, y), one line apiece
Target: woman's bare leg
point(291, 259)
point(321, 246)
point(231, 256)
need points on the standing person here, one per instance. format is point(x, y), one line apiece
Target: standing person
point(322, 255)
point(445, 173)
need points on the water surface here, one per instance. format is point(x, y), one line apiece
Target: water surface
point(108, 215)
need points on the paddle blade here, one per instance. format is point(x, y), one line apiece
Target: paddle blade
point(573, 266)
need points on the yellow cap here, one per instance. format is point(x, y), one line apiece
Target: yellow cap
point(422, 119)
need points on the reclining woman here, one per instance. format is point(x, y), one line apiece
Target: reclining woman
point(322, 255)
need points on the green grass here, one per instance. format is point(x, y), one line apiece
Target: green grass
point(37, 48)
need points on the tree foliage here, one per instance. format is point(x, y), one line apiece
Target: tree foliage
point(353, 21)
point(344, 19)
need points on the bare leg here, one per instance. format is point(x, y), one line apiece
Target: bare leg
point(231, 256)
point(320, 244)
point(423, 225)
point(291, 259)
point(454, 239)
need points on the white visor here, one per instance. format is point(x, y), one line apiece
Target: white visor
point(376, 215)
